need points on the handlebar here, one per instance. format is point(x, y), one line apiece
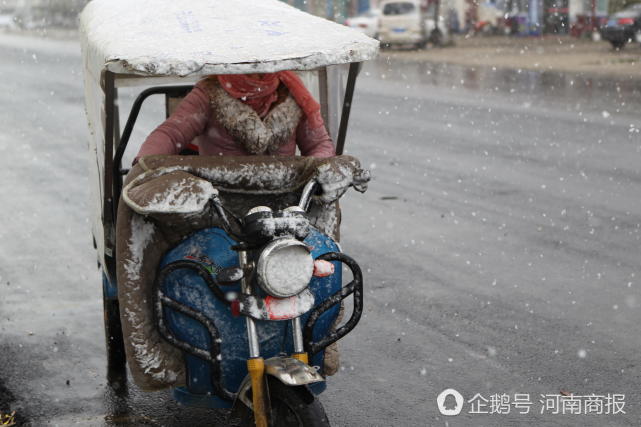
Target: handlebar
point(303, 203)
point(306, 195)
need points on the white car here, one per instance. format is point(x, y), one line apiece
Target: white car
point(408, 22)
point(366, 22)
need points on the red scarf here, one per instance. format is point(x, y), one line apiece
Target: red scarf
point(260, 92)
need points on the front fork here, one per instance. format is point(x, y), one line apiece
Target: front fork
point(255, 363)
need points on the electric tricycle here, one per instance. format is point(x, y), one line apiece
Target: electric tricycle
point(222, 276)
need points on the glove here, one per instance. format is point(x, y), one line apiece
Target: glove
point(361, 179)
point(334, 181)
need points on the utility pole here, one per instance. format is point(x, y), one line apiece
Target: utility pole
point(436, 36)
point(331, 10)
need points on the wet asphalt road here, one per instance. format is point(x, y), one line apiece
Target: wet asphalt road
point(499, 237)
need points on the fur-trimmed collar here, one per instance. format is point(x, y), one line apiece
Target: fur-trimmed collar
point(242, 123)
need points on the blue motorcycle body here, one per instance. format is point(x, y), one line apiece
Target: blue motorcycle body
point(212, 248)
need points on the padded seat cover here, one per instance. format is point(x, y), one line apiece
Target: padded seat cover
point(148, 227)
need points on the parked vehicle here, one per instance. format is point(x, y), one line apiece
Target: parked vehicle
point(222, 276)
point(408, 22)
point(623, 27)
point(366, 22)
point(583, 27)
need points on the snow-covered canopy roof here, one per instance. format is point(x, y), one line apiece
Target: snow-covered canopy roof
point(200, 37)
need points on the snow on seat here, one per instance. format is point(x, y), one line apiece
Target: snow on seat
point(254, 174)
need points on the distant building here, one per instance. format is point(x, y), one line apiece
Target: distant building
point(554, 16)
point(7, 6)
point(46, 13)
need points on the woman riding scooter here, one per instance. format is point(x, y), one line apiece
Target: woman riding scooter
point(222, 275)
point(246, 114)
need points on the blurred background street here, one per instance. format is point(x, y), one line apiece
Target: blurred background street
point(499, 236)
point(551, 53)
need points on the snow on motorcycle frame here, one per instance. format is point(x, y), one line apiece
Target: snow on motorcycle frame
point(201, 320)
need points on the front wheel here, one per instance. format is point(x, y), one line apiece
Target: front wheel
point(617, 44)
point(436, 37)
point(290, 407)
point(421, 45)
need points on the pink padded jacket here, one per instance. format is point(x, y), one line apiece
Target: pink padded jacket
point(193, 118)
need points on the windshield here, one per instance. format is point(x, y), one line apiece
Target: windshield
point(401, 8)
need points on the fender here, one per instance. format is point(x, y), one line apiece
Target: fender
point(289, 371)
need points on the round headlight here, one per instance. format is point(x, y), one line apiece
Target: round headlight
point(285, 268)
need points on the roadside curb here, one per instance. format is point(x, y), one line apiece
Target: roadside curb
point(561, 55)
